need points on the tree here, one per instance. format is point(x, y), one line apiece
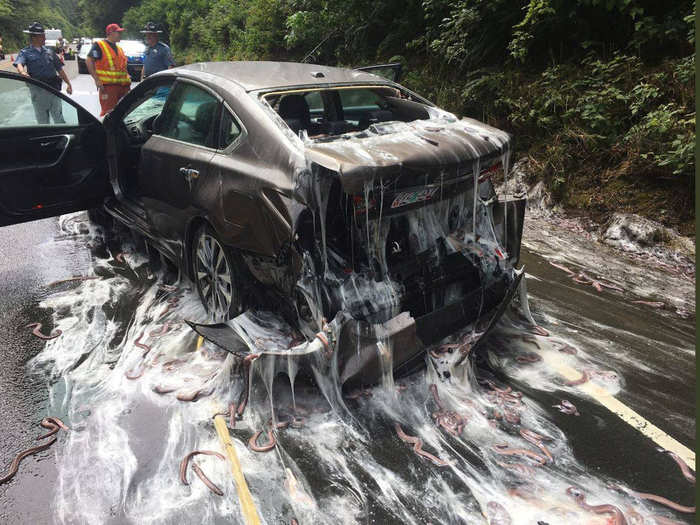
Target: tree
point(97, 14)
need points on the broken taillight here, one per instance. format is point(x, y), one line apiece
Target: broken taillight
point(361, 205)
point(487, 172)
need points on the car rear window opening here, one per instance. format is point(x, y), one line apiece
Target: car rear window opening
point(328, 113)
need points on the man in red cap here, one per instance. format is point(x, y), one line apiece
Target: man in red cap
point(106, 62)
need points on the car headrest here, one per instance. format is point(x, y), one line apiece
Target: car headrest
point(338, 127)
point(372, 117)
point(204, 117)
point(294, 124)
point(294, 107)
point(381, 115)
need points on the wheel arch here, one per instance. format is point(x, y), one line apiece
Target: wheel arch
point(193, 226)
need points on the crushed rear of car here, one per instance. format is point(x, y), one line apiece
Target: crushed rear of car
point(398, 236)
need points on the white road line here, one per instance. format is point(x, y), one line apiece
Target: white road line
point(621, 410)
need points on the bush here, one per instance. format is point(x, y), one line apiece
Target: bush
point(593, 90)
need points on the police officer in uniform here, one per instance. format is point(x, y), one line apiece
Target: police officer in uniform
point(158, 55)
point(39, 62)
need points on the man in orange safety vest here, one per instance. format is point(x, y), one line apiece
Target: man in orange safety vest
point(106, 62)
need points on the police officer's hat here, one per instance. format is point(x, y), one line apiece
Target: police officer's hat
point(35, 29)
point(151, 27)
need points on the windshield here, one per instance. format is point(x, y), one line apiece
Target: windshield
point(327, 113)
point(132, 47)
point(150, 105)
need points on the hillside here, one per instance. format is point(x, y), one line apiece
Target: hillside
point(16, 15)
point(600, 94)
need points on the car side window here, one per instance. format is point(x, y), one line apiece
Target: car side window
point(190, 116)
point(315, 102)
point(26, 104)
point(230, 129)
point(359, 99)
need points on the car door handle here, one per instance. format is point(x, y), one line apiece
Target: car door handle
point(189, 173)
point(61, 143)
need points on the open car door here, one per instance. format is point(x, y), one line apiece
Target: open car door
point(52, 153)
point(389, 71)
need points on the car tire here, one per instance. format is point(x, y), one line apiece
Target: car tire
point(82, 67)
point(216, 276)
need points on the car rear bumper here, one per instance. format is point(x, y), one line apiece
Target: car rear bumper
point(359, 343)
point(360, 349)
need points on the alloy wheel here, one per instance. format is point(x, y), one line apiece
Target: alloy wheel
point(214, 277)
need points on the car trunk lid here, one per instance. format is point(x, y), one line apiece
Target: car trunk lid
point(410, 154)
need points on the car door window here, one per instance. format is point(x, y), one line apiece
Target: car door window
point(27, 104)
point(230, 129)
point(190, 116)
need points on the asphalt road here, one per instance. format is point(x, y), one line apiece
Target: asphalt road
point(30, 258)
point(33, 255)
point(84, 91)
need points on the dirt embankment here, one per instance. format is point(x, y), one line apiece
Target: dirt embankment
point(619, 219)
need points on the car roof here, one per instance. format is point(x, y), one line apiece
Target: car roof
point(261, 75)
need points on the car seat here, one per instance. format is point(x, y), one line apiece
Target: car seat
point(372, 117)
point(203, 120)
point(295, 112)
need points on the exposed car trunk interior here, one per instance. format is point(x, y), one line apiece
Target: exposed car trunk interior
point(415, 258)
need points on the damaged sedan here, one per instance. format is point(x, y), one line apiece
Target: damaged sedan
point(357, 211)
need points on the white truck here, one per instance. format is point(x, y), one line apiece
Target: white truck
point(55, 41)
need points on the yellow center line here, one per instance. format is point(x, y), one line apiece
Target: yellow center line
point(248, 509)
point(621, 410)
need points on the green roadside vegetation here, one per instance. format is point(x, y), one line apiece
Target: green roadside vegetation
point(600, 94)
point(75, 18)
point(16, 15)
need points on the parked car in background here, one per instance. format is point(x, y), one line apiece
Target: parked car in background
point(52, 37)
point(83, 41)
point(74, 47)
point(334, 195)
point(82, 55)
point(135, 52)
point(68, 50)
